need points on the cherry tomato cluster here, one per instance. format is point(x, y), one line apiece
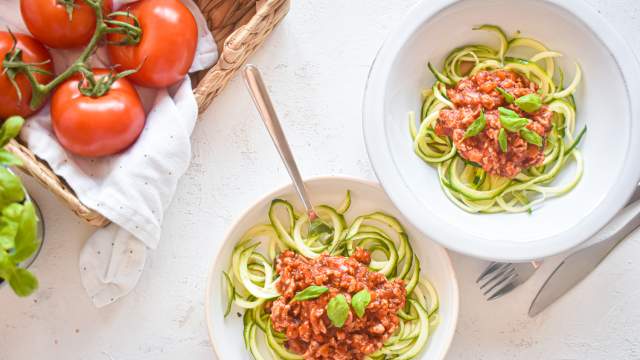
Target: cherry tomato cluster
point(94, 112)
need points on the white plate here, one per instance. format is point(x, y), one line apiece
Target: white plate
point(226, 334)
point(608, 102)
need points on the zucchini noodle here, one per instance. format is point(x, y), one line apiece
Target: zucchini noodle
point(465, 183)
point(251, 279)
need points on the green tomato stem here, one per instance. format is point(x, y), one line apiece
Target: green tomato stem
point(40, 92)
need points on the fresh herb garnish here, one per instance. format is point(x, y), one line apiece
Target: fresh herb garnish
point(18, 221)
point(510, 119)
point(312, 292)
point(529, 103)
point(338, 310)
point(507, 97)
point(502, 140)
point(476, 126)
point(531, 137)
point(360, 301)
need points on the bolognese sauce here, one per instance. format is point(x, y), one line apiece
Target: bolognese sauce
point(478, 94)
point(306, 324)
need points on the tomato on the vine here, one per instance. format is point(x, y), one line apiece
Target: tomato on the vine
point(167, 47)
point(96, 125)
point(50, 22)
point(31, 51)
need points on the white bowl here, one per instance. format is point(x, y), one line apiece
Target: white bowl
point(226, 334)
point(608, 102)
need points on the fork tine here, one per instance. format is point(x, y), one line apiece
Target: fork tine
point(505, 277)
point(498, 274)
point(498, 279)
point(504, 290)
point(488, 270)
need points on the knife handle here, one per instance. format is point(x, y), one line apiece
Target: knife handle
point(627, 220)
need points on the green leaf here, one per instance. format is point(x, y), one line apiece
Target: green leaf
point(11, 190)
point(9, 224)
point(502, 140)
point(531, 137)
point(360, 301)
point(8, 159)
point(529, 103)
point(23, 282)
point(338, 310)
point(7, 267)
point(507, 97)
point(476, 126)
point(510, 120)
point(312, 292)
point(27, 241)
point(10, 129)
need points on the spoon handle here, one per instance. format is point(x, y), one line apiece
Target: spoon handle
point(262, 100)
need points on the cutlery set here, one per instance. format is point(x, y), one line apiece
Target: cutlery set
point(498, 279)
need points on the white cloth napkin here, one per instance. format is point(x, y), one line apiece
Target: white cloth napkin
point(132, 189)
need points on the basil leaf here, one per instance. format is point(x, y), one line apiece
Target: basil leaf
point(27, 241)
point(531, 137)
point(23, 282)
point(502, 140)
point(476, 126)
point(360, 301)
point(529, 103)
point(10, 129)
point(10, 188)
point(510, 120)
point(7, 267)
point(9, 224)
point(507, 97)
point(8, 159)
point(338, 310)
point(309, 293)
point(507, 112)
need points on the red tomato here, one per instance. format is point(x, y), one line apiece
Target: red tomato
point(32, 52)
point(48, 21)
point(167, 47)
point(100, 126)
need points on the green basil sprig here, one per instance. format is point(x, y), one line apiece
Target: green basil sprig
point(360, 301)
point(338, 310)
point(10, 129)
point(510, 119)
point(507, 97)
point(311, 292)
point(18, 220)
point(531, 137)
point(476, 126)
point(529, 103)
point(502, 140)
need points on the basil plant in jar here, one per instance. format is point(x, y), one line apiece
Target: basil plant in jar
point(18, 220)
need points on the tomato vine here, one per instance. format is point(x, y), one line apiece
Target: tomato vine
point(105, 24)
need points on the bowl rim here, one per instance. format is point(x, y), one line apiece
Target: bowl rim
point(455, 290)
point(400, 194)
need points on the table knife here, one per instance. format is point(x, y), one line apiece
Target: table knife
point(575, 267)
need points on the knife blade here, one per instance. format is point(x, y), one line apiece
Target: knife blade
point(575, 267)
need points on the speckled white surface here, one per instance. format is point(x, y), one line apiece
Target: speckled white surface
point(316, 65)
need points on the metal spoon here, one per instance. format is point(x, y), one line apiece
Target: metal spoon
point(261, 98)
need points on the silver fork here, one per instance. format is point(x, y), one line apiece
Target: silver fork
point(500, 278)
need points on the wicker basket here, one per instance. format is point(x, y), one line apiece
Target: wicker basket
point(239, 27)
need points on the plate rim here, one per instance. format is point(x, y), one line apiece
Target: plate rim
point(466, 243)
point(455, 287)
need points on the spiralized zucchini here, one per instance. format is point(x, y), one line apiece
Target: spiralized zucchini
point(466, 184)
point(251, 279)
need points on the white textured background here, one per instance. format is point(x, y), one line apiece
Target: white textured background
point(316, 64)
